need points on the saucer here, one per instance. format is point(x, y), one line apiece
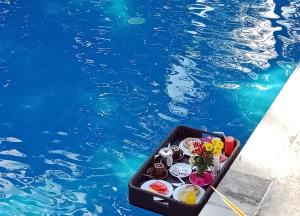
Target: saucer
point(181, 156)
point(150, 173)
point(185, 149)
point(182, 187)
point(146, 186)
point(180, 169)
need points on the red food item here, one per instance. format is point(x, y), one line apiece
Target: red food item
point(198, 149)
point(159, 187)
point(229, 145)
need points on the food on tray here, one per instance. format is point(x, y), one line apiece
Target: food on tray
point(159, 187)
point(189, 194)
point(191, 143)
point(194, 188)
point(191, 148)
point(204, 179)
point(188, 142)
point(180, 169)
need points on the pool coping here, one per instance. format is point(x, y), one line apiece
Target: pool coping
point(264, 178)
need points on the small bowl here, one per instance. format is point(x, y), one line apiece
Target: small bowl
point(223, 158)
point(205, 179)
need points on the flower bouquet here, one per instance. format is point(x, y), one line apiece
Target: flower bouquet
point(205, 155)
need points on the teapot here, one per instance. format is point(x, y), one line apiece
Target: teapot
point(166, 155)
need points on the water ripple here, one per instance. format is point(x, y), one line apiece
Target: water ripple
point(291, 14)
point(86, 97)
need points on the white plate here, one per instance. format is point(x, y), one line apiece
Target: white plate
point(184, 149)
point(177, 190)
point(146, 186)
point(183, 169)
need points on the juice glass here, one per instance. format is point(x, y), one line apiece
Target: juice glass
point(190, 196)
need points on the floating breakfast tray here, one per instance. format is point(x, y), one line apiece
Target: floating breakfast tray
point(168, 206)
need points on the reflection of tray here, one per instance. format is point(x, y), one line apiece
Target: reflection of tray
point(169, 206)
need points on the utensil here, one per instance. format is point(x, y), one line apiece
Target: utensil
point(180, 179)
point(166, 155)
point(176, 173)
point(176, 184)
point(235, 209)
point(147, 175)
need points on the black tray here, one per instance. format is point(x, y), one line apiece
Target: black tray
point(169, 206)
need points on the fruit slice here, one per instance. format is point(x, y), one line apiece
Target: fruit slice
point(159, 187)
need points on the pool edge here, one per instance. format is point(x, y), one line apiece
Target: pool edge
point(257, 181)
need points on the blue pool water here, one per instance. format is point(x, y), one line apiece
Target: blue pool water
point(86, 95)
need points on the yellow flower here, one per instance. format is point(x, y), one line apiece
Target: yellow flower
point(217, 150)
point(219, 147)
point(217, 142)
point(208, 146)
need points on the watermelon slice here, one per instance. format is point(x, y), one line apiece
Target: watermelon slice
point(159, 187)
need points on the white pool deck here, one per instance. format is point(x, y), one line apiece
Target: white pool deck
point(265, 178)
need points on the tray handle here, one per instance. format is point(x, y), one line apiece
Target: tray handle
point(163, 203)
point(154, 201)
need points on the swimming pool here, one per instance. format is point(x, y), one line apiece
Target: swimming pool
point(88, 88)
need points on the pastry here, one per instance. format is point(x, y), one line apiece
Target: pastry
point(188, 142)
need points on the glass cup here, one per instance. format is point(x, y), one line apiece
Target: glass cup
point(189, 196)
point(229, 145)
point(159, 169)
point(176, 152)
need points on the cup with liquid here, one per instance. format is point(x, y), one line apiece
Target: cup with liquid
point(176, 152)
point(159, 169)
point(229, 145)
point(188, 195)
